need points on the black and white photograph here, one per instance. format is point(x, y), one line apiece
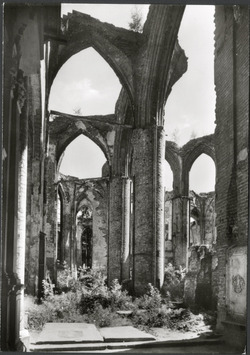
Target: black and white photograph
point(124, 177)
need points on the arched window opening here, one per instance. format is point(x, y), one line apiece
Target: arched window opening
point(202, 202)
point(202, 174)
point(191, 113)
point(85, 85)
point(83, 159)
point(85, 237)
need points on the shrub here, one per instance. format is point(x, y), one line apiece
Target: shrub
point(66, 281)
point(151, 310)
point(38, 315)
point(120, 300)
point(96, 292)
point(174, 282)
point(157, 317)
point(89, 302)
point(103, 317)
point(58, 308)
point(48, 289)
point(151, 300)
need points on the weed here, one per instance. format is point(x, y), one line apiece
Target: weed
point(173, 283)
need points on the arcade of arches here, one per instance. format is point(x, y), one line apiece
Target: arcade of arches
point(122, 222)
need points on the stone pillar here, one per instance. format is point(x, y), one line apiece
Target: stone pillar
point(148, 258)
point(42, 263)
point(180, 229)
point(65, 230)
point(115, 228)
point(177, 208)
point(51, 212)
point(74, 242)
point(125, 229)
point(159, 203)
point(79, 230)
point(21, 211)
point(185, 229)
point(13, 289)
point(36, 182)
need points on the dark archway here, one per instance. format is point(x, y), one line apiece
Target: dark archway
point(85, 222)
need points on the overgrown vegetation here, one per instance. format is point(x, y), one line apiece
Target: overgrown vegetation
point(89, 299)
point(174, 282)
point(136, 20)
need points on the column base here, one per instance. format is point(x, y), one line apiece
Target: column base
point(25, 340)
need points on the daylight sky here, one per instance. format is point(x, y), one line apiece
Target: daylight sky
point(87, 82)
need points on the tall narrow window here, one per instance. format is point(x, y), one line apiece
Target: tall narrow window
point(202, 209)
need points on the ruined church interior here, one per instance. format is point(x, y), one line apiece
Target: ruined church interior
point(125, 222)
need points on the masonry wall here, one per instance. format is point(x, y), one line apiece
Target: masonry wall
point(231, 145)
point(76, 194)
point(23, 147)
point(202, 210)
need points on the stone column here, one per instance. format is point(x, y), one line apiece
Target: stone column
point(51, 212)
point(21, 210)
point(36, 183)
point(72, 245)
point(13, 285)
point(180, 225)
point(125, 229)
point(66, 230)
point(148, 258)
point(115, 228)
point(42, 263)
point(159, 203)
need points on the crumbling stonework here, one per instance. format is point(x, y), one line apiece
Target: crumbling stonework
point(199, 289)
point(76, 194)
point(231, 146)
point(202, 230)
point(137, 122)
point(181, 160)
point(202, 212)
point(190, 223)
point(131, 239)
point(23, 146)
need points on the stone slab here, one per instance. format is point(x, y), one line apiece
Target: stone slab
point(65, 333)
point(86, 346)
point(126, 333)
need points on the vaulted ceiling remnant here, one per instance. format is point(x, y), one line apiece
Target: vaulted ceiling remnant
point(64, 128)
point(147, 64)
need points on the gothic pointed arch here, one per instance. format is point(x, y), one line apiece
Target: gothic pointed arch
point(63, 129)
point(194, 148)
point(115, 45)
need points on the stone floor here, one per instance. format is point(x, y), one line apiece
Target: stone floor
point(83, 337)
point(67, 333)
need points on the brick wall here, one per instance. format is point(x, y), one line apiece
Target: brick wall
point(231, 80)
